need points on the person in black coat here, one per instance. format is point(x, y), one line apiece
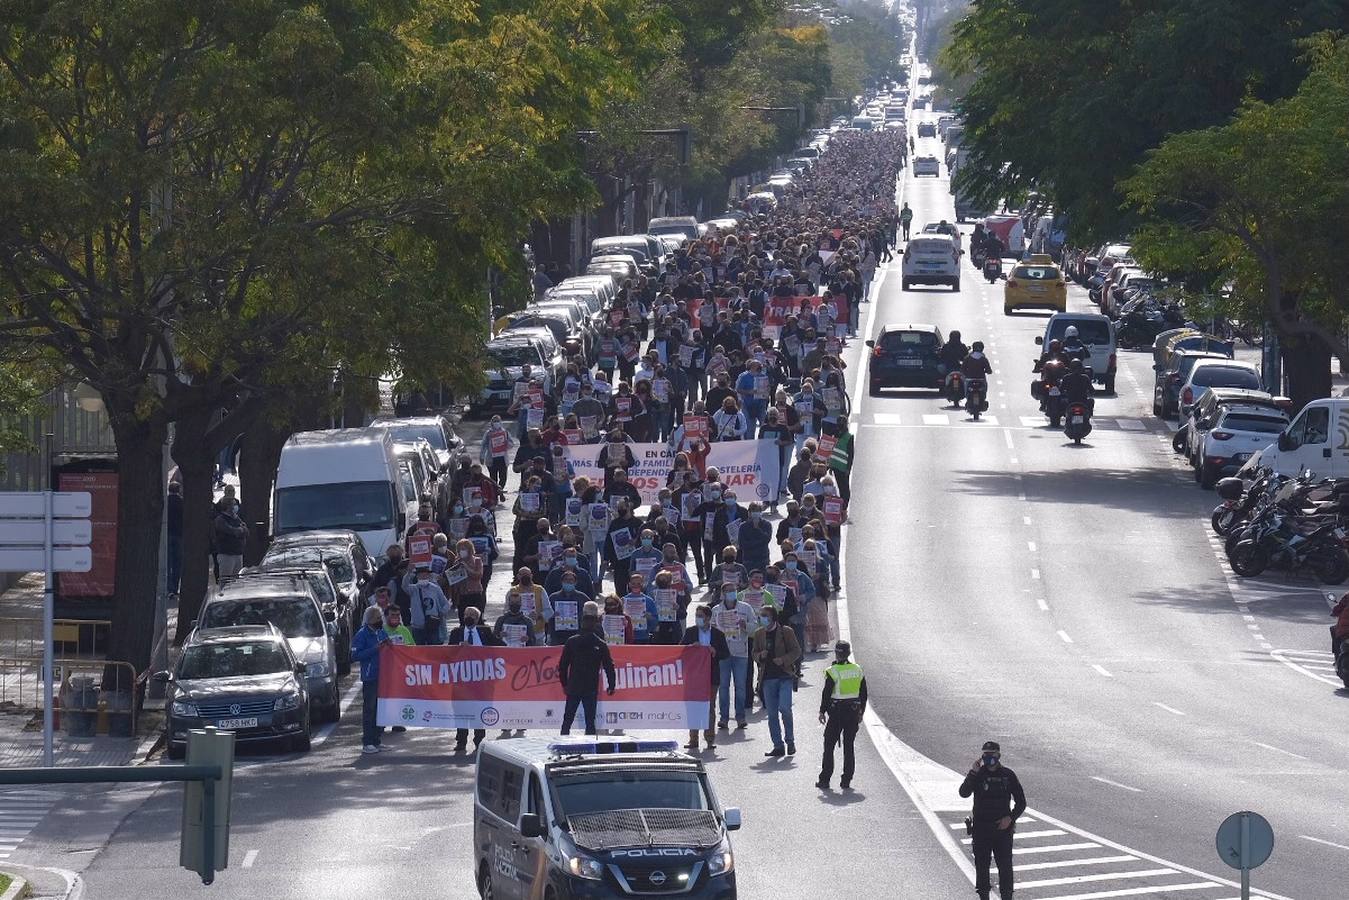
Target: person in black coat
point(584, 654)
point(707, 634)
point(471, 634)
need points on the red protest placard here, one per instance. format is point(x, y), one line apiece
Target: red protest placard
point(824, 446)
point(833, 510)
point(695, 428)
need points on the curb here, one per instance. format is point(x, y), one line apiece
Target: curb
point(18, 887)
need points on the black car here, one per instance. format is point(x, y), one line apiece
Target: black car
point(242, 679)
point(905, 356)
point(342, 553)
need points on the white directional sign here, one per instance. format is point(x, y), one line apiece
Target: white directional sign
point(34, 531)
point(29, 505)
point(34, 559)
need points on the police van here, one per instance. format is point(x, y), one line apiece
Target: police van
point(555, 819)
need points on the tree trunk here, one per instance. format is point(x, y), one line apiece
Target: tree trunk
point(140, 510)
point(1306, 364)
point(196, 463)
point(258, 460)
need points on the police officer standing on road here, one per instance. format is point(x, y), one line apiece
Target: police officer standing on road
point(993, 786)
point(842, 704)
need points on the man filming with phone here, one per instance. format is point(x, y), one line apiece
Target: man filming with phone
point(994, 787)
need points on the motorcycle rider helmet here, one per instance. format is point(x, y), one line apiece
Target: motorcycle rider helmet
point(1055, 346)
point(1070, 332)
point(1075, 365)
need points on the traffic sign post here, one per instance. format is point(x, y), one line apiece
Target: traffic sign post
point(1245, 841)
point(50, 531)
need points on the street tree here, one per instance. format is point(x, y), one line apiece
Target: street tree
point(1262, 204)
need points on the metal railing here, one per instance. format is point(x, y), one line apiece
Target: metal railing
point(93, 695)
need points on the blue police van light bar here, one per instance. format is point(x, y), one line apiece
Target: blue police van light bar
point(577, 748)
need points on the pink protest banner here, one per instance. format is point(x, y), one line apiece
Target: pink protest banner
point(658, 687)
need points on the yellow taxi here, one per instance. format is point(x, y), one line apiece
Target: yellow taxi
point(1035, 283)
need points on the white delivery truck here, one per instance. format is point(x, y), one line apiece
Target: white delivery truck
point(344, 478)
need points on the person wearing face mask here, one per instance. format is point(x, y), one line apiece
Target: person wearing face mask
point(843, 702)
point(617, 487)
point(615, 456)
point(776, 430)
point(430, 606)
point(734, 618)
point(727, 520)
point(567, 603)
point(584, 656)
point(465, 575)
point(623, 521)
point(496, 447)
point(365, 647)
point(729, 423)
point(647, 557)
point(645, 622)
point(800, 472)
point(721, 389)
point(810, 407)
point(472, 633)
point(534, 604)
point(729, 574)
point(994, 787)
point(754, 538)
point(229, 536)
point(841, 460)
point(574, 562)
point(776, 651)
point(704, 634)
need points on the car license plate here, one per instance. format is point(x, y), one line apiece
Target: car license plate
point(1240, 457)
point(1036, 288)
point(236, 724)
point(1077, 420)
point(909, 362)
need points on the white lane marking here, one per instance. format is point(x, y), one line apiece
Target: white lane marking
point(1032, 421)
point(1138, 892)
point(1030, 545)
point(1065, 863)
point(1063, 636)
point(1123, 787)
point(1025, 520)
point(1035, 573)
point(1007, 436)
point(886, 418)
point(1308, 662)
point(1040, 602)
point(936, 419)
point(1279, 750)
point(1014, 461)
point(1314, 840)
point(1097, 876)
point(249, 858)
point(326, 731)
point(1021, 835)
point(1170, 709)
point(1105, 674)
point(1056, 848)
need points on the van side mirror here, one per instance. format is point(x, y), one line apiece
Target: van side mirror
point(1287, 441)
point(871, 343)
point(732, 816)
point(1039, 340)
point(301, 668)
point(162, 677)
point(531, 826)
point(330, 615)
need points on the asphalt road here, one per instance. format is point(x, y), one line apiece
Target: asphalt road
point(1067, 601)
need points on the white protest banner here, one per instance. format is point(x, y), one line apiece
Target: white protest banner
point(748, 467)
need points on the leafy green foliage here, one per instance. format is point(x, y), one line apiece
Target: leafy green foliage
point(1068, 95)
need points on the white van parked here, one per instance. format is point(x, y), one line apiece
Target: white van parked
point(347, 478)
point(931, 259)
point(1317, 441)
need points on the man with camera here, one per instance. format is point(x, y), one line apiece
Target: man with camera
point(994, 787)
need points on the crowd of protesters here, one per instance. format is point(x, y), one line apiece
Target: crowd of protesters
point(689, 356)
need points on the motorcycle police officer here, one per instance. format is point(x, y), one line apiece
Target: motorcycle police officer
point(993, 786)
point(842, 703)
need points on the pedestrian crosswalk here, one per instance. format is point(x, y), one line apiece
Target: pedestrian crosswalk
point(20, 813)
point(1318, 664)
point(960, 417)
point(1056, 863)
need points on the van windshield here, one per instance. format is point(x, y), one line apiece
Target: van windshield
point(350, 506)
point(578, 795)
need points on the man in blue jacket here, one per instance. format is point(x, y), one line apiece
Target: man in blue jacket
point(365, 647)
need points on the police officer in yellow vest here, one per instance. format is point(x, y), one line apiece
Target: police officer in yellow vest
point(841, 706)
